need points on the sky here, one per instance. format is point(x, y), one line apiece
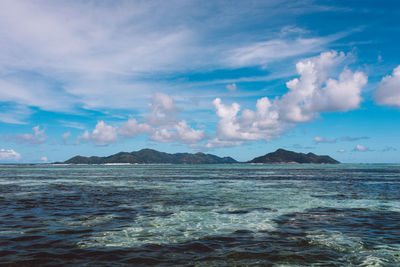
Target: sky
point(230, 78)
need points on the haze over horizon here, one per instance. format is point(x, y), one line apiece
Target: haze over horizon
point(237, 79)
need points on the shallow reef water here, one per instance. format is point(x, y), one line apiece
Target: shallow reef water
point(200, 215)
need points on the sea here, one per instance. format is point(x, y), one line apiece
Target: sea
point(200, 215)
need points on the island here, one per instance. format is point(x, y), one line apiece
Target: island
point(286, 156)
point(151, 156)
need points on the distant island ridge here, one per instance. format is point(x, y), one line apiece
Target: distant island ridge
point(151, 156)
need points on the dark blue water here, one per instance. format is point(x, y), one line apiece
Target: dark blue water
point(200, 215)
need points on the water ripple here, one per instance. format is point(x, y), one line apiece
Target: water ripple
point(219, 215)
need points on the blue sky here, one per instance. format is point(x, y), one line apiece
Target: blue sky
point(238, 78)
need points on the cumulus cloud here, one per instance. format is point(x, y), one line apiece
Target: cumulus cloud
point(319, 139)
point(102, 135)
point(162, 125)
point(163, 135)
point(187, 134)
point(9, 155)
point(250, 125)
point(181, 132)
point(314, 92)
point(133, 128)
point(85, 137)
point(165, 124)
point(361, 148)
point(37, 138)
point(388, 92)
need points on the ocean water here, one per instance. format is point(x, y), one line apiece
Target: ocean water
point(200, 215)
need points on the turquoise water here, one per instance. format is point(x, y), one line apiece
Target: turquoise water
point(201, 215)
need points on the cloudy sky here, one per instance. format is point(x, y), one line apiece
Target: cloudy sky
point(238, 78)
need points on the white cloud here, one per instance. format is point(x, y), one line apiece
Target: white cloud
point(162, 125)
point(341, 150)
point(33, 92)
point(163, 110)
point(360, 148)
point(315, 92)
point(37, 138)
point(231, 87)
point(44, 159)
point(65, 137)
point(319, 139)
point(312, 93)
point(15, 114)
point(132, 128)
point(181, 132)
point(250, 125)
point(102, 135)
point(9, 155)
point(186, 134)
point(163, 135)
point(166, 125)
point(88, 48)
point(388, 92)
point(261, 53)
point(85, 136)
